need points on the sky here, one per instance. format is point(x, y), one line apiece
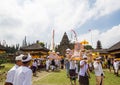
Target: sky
point(92, 20)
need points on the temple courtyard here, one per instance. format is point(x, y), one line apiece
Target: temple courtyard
point(60, 78)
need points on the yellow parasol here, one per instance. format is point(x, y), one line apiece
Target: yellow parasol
point(84, 42)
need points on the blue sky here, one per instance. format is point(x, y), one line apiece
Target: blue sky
point(103, 23)
point(37, 18)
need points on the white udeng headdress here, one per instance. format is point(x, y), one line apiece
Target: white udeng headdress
point(28, 58)
point(19, 57)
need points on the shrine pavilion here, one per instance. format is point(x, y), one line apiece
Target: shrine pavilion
point(36, 50)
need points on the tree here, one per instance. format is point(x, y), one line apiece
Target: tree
point(42, 44)
point(12, 49)
point(17, 46)
point(88, 47)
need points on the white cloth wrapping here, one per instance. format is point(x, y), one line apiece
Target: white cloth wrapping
point(116, 65)
point(84, 69)
point(47, 64)
point(34, 64)
point(11, 73)
point(23, 76)
point(72, 65)
point(98, 68)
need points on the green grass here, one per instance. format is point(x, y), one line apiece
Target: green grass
point(4, 71)
point(59, 78)
point(54, 78)
point(7, 67)
point(110, 79)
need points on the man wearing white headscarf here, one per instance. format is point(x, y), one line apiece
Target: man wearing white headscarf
point(23, 75)
point(99, 74)
point(11, 72)
point(84, 72)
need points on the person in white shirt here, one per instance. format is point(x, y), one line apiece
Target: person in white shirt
point(98, 71)
point(34, 67)
point(38, 64)
point(67, 66)
point(72, 71)
point(84, 72)
point(47, 64)
point(76, 67)
point(116, 66)
point(23, 75)
point(11, 72)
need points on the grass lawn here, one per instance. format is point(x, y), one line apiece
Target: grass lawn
point(59, 78)
point(4, 71)
point(110, 79)
point(54, 78)
point(7, 67)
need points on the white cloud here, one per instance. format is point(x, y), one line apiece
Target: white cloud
point(36, 18)
point(107, 38)
point(105, 7)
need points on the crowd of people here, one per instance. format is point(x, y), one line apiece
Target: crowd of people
point(25, 67)
point(82, 66)
point(77, 68)
point(78, 65)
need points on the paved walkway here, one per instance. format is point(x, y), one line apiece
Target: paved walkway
point(40, 75)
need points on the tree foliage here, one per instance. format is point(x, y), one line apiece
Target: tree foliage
point(12, 49)
point(88, 47)
point(42, 44)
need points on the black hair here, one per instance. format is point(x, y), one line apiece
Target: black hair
point(24, 58)
point(26, 62)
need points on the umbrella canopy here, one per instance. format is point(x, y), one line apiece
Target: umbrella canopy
point(84, 42)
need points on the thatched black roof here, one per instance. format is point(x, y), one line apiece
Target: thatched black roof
point(34, 47)
point(103, 51)
point(115, 47)
point(2, 47)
